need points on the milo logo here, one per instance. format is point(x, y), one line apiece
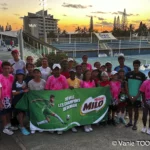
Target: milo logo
point(93, 104)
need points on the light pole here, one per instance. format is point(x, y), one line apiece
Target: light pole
point(42, 3)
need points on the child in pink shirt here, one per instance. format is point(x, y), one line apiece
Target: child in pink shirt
point(145, 90)
point(87, 83)
point(6, 81)
point(115, 89)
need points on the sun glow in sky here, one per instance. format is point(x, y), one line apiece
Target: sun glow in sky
point(73, 13)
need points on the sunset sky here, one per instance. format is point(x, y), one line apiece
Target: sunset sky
point(73, 13)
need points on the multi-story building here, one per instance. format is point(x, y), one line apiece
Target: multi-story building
point(33, 24)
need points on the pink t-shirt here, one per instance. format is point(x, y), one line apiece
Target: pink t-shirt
point(59, 83)
point(87, 84)
point(6, 90)
point(115, 88)
point(145, 88)
point(0, 66)
point(89, 66)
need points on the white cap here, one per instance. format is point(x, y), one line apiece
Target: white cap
point(94, 68)
point(114, 72)
point(70, 59)
point(104, 73)
point(72, 70)
point(56, 66)
point(108, 62)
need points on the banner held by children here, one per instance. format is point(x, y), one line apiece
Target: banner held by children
point(64, 109)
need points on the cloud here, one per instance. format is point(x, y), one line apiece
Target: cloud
point(99, 12)
point(77, 6)
point(99, 18)
point(21, 17)
point(64, 15)
point(17, 15)
point(105, 23)
point(121, 12)
point(3, 4)
point(4, 8)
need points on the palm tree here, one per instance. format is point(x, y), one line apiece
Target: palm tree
point(84, 31)
point(78, 30)
point(64, 33)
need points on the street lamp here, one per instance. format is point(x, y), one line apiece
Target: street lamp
point(43, 3)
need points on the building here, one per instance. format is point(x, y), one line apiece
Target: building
point(33, 24)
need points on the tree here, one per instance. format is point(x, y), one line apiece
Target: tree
point(78, 30)
point(84, 31)
point(64, 33)
point(51, 34)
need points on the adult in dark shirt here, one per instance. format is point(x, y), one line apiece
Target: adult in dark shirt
point(121, 60)
point(134, 80)
point(29, 76)
point(65, 71)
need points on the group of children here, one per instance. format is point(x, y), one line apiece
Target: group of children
point(126, 87)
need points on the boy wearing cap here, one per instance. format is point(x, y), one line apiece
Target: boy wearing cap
point(18, 89)
point(56, 82)
point(37, 83)
point(134, 80)
point(70, 63)
point(121, 60)
point(6, 81)
point(73, 82)
point(16, 62)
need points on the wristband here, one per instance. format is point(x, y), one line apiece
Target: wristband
point(21, 91)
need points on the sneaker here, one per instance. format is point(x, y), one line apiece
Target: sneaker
point(126, 117)
point(40, 131)
point(123, 121)
point(148, 131)
point(86, 129)
point(8, 132)
point(129, 125)
point(74, 130)
point(134, 127)
point(59, 132)
point(143, 129)
point(13, 128)
point(24, 131)
point(90, 128)
point(32, 131)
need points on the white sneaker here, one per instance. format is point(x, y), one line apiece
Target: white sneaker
point(86, 129)
point(126, 117)
point(143, 129)
point(90, 128)
point(13, 128)
point(148, 131)
point(32, 131)
point(74, 130)
point(8, 132)
point(59, 132)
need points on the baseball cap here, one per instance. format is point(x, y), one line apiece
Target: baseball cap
point(20, 71)
point(72, 70)
point(36, 69)
point(108, 62)
point(114, 72)
point(56, 66)
point(104, 73)
point(70, 59)
point(14, 51)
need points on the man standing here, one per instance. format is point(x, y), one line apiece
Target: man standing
point(56, 82)
point(134, 79)
point(16, 62)
point(121, 60)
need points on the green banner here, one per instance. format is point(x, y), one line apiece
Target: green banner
point(64, 109)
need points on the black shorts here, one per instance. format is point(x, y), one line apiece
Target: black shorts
point(136, 104)
point(5, 111)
